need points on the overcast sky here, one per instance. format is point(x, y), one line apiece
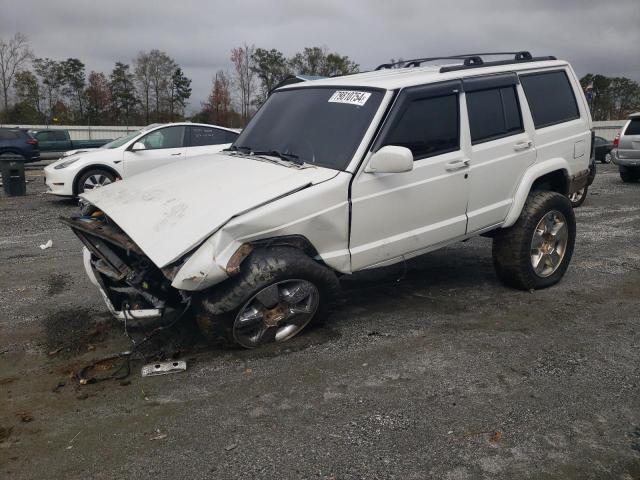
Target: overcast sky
point(595, 36)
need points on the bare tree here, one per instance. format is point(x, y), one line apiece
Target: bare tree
point(244, 76)
point(13, 55)
point(142, 71)
point(218, 106)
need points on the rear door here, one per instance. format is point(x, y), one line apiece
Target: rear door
point(162, 146)
point(502, 149)
point(204, 139)
point(629, 146)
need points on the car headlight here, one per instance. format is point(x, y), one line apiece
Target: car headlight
point(66, 163)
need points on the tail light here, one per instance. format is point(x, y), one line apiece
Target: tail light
point(616, 140)
point(32, 141)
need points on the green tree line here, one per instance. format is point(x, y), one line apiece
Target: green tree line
point(611, 98)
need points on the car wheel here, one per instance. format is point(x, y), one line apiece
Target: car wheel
point(535, 252)
point(277, 293)
point(629, 176)
point(606, 158)
point(93, 179)
point(578, 198)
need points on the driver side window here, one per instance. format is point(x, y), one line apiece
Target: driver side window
point(169, 137)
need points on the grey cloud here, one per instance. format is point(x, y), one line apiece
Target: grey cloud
point(595, 36)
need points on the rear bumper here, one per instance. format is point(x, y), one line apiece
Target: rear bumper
point(624, 160)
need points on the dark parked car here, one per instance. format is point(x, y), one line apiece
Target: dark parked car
point(603, 149)
point(14, 141)
point(58, 140)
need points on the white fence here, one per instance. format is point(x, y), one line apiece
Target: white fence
point(607, 130)
point(81, 132)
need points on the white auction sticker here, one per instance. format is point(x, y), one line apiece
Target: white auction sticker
point(350, 97)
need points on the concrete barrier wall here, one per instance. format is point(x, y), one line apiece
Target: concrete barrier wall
point(80, 132)
point(607, 130)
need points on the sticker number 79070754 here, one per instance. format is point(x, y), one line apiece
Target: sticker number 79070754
point(351, 97)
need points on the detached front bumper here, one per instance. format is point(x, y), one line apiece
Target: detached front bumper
point(146, 313)
point(130, 284)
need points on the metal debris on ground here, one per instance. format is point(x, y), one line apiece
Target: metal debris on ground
point(164, 368)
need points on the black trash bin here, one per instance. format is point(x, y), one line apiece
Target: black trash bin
point(13, 179)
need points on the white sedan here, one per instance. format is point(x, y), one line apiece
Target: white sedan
point(153, 146)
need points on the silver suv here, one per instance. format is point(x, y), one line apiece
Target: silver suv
point(627, 154)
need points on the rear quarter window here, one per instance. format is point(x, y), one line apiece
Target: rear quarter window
point(633, 128)
point(550, 97)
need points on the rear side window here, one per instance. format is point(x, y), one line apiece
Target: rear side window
point(10, 134)
point(493, 113)
point(550, 98)
point(59, 136)
point(201, 136)
point(633, 128)
point(428, 127)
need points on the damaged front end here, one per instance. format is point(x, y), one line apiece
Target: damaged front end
point(131, 285)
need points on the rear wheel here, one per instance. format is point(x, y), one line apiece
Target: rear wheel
point(535, 252)
point(628, 175)
point(93, 179)
point(277, 293)
point(578, 198)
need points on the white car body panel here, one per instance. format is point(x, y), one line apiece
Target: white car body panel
point(157, 208)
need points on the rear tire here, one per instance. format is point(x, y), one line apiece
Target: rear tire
point(218, 310)
point(94, 178)
point(513, 248)
point(629, 176)
point(578, 197)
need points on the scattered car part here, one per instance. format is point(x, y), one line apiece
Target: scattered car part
point(163, 368)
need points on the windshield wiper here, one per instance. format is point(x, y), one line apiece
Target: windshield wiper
point(236, 148)
point(289, 157)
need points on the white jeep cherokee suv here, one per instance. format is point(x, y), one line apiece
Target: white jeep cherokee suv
point(343, 174)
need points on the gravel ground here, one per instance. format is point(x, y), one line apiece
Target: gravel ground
point(436, 372)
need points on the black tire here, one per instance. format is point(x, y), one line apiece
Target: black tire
point(575, 203)
point(512, 247)
point(629, 176)
point(94, 172)
point(216, 308)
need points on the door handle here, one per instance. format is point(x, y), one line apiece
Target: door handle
point(518, 147)
point(175, 154)
point(457, 165)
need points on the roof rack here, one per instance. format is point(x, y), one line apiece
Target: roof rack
point(469, 60)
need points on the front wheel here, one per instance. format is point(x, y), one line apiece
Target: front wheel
point(577, 198)
point(277, 293)
point(535, 252)
point(92, 179)
point(606, 158)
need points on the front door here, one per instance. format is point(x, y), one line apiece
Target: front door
point(397, 214)
point(162, 146)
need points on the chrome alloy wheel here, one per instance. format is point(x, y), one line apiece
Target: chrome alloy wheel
point(96, 181)
point(276, 313)
point(549, 243)
point(576, 196)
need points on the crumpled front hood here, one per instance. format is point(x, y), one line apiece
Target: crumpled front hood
point(170, 210)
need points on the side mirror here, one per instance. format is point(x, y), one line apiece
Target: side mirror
point(390, 159)
point(138, 146)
